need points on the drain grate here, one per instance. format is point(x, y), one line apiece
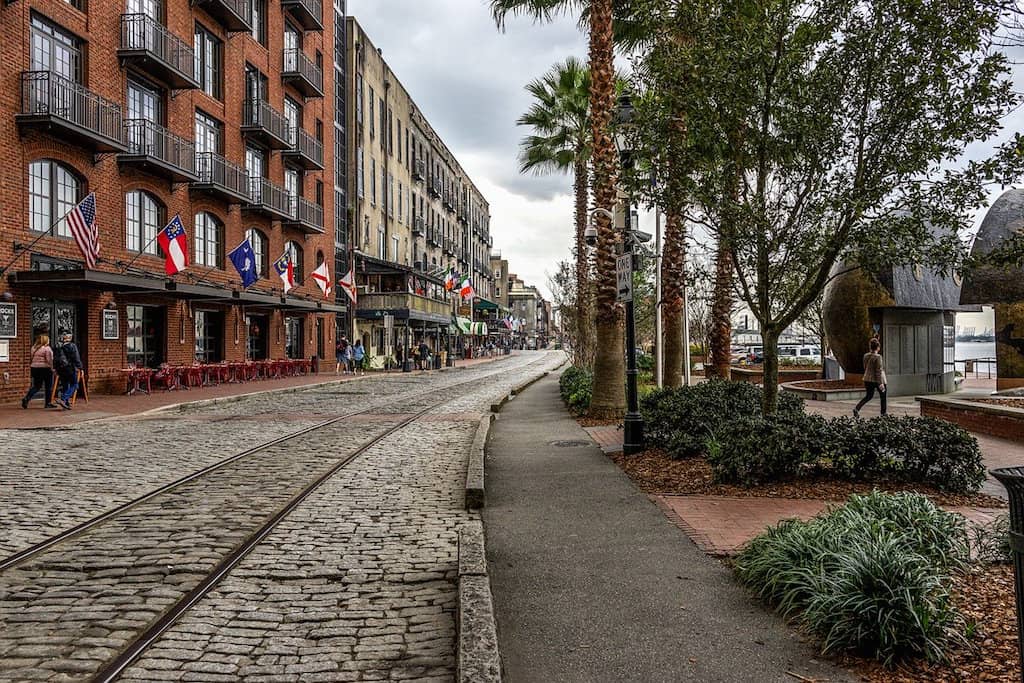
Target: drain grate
point(570, 444)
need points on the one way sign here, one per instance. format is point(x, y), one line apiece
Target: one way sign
point(624, 277)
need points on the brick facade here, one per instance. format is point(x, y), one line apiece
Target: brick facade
point(981, 418)
point(98, 29)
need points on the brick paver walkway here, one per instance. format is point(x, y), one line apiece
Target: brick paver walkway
point(720, 525)
point(608, 437)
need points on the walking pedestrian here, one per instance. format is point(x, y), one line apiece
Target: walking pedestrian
point(68, 362)
point(874, 377)
point(358, 356)
point(350, 365)
point(424, 354)
point(340, 355)
point(41, 370)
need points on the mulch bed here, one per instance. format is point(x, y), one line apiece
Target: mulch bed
point(655, 472)
point(827, 384)
point(585, 421)
point(985, 597)
point(1009, 402)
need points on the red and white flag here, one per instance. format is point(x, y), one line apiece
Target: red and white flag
point(286, 271)
point(82, 222)
point(174, 244)
point(322, 277)
point(348, 285)
point(466, 288)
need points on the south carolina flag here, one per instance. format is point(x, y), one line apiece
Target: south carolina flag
point(175, 246)
point(322, 277)
point(283, 267)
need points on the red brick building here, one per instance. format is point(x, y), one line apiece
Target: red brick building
point(219, 111)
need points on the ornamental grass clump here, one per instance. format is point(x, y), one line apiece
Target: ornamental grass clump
point(870, 577)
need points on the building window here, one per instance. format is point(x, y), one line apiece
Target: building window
point(260, 247)
point(209, 134)
point(359, 172)
point(143, 218)
point(145, 101)
point(209, 60)
point(209, 336)
point(372, 118)
point(55, 50)
point(259, 21)
point(209, 240)
point(53, 190)
point(359, 99)
point(294, 253)
point(373, 181)
point(382, 245)
point(394, 248)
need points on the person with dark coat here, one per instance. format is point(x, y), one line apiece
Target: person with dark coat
point(68, 363)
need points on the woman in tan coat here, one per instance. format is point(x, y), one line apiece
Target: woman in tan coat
point(874, 377)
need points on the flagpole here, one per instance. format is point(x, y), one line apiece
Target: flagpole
point(124, 269)
point(20, 249)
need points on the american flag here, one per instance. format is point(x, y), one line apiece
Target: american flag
point(82, 222)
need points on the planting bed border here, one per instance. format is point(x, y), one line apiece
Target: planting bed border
point(983, 418)
point(814, 394)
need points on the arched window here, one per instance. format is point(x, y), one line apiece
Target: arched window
point(294, 252)
point(319, 258)
point(53, 190)
point(209, 240)
point(260, 247)
point(143, 218)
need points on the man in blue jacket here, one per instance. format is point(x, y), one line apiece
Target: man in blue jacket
point(67, 361)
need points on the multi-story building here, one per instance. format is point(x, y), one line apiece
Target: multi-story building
point(213, 110)
point(414, 211)
point(499, 273)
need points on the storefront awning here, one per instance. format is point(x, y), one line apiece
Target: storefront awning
point(482, 304)
point(467, 326)
point(96, 279)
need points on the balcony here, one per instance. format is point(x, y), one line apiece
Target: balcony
point(301, 73)
point(233, 15)
point(151, 48)
point(159, 151)
point(435, 189)
point(403, 306)
point(70, 111)
point(306, 151)
point(270, 199)
point(418, 226)
point(306, 216)
point(419, 169)
point(220, 177)
point(263, 123)
point(309, 13)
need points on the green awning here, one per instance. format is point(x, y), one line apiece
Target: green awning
point(467, 326)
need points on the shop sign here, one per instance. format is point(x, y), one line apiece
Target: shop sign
point(8, 320)
point(5, 351)
point(110, 326)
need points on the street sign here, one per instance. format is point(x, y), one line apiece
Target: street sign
point(624, 277)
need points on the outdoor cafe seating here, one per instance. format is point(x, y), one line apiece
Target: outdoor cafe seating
point(169, 377)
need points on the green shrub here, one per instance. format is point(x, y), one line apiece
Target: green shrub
point(754, 450)
point(645, 362)
point(576, 386)
point(682, 420)
point(870, 576)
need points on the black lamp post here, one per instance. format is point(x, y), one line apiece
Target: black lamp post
point(633, 430)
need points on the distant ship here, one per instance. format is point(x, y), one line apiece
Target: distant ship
point(968, 334)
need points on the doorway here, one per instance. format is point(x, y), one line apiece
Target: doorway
point(144, 339)
point(256, 346)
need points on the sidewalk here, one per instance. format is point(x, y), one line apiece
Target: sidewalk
point(591, 582)
point(105, 405)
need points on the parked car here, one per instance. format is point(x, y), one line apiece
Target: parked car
point(801, 354)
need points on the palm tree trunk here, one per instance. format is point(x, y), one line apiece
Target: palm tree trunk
point(672, 279)
point(584, 352)
point(609, 398)
point(721, 314)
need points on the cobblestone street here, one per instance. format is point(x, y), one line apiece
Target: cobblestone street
point(356, 583)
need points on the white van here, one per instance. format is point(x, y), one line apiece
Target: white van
point(809, 355)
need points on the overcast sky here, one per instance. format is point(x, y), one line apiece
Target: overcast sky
point(468, 79)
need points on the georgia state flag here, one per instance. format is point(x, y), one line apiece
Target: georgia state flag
point(283, 267)
point(175, 246)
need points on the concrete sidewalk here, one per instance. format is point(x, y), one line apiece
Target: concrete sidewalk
point(591, 582)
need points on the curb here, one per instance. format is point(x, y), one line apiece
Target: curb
point(478, 659)
point(496, 407)
point(475, 466)
point(519, 388)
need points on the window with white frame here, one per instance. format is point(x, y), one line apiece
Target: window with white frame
point(143, 218)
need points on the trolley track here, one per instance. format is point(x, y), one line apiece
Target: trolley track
point(172, 613)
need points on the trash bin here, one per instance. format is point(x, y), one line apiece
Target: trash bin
point(1013, 479)
point(314, 364)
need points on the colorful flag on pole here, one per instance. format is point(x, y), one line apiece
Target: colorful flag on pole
point(284, 268)
point(348, 285)
point(449, 280)
point(173, 242)
point(244, 259)
point(508, 321)
point(82, 222)
point(322, 277)
point(466, 288)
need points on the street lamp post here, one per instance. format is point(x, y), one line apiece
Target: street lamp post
point(633, 428)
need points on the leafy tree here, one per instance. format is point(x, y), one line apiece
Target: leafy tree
point(560, 143)
point(609, 389)
point(828, 130)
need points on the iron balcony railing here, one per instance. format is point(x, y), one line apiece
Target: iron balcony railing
point(309, 13)
point(305, 149)
point(270, 198)
point(419, 169)
point(302, 73)
point(219, 175)
point(397, 301)
point(418, 225)
point(49, 97)
point(259, 118)
point(165, 54)
point(235, 15)
point(151, 142)
point(306, 214)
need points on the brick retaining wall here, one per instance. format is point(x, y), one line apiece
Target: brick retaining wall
point(994, 420)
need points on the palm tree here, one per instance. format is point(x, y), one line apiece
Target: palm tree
point(560, 143)
point(609, 397)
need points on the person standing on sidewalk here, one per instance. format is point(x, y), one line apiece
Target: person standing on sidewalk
point(874, 377)
point(41, 369)
point(68, 362)
point(341, 355)
point(358, 355)
point(424, 355)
